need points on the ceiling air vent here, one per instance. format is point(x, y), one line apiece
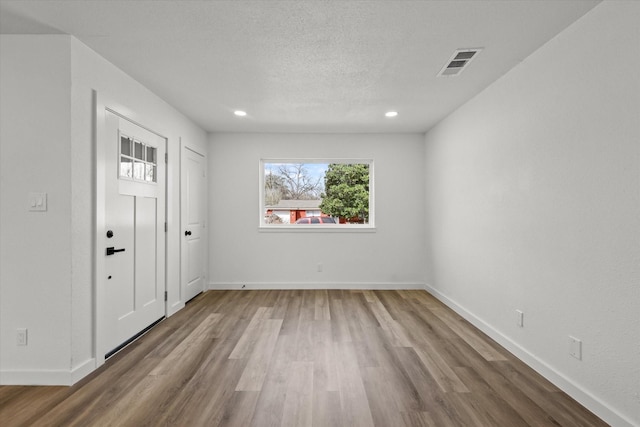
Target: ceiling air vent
point(459, 61)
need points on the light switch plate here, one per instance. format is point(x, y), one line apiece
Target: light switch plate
point(37, 202)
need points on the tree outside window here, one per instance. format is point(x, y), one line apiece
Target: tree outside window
point(346, 193)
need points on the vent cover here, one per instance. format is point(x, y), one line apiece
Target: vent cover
point(459, 61)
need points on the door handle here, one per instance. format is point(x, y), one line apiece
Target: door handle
point(111, 250)
point(187, 233)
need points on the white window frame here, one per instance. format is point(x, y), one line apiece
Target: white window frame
point(316, 228)
point(133, 159)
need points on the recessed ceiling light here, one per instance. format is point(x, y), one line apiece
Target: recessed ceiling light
point(240, 113)
point(391, 113)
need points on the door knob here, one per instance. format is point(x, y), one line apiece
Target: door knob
point(111, 250)
point(187, 233)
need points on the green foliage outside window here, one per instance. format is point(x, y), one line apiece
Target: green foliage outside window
point(347, 192)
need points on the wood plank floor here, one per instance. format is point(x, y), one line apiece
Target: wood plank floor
point(305, 358)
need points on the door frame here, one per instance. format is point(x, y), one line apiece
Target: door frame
point(102, 106)
point(199, 152)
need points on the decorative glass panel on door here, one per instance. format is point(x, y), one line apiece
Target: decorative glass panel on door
point(126, 167)
point(125, 146)
point(139, 150)
point(138, 161)
point(151, 155)
point(150, 173)
point(138, 171)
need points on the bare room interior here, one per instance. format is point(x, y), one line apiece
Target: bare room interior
point(158, 268)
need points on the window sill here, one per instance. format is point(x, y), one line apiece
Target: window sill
point(317, 228)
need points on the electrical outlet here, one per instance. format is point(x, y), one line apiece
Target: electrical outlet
point(520, 318)
point(21, 336)
point(319, 267)
point(575, 347)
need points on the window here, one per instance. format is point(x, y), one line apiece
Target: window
point(318, 194)
point(138, 161)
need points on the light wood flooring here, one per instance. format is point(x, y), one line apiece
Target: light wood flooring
point(305, 358)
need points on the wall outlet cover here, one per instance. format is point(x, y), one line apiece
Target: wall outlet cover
point(575, 347)
point(21, 336)
point(520, 318)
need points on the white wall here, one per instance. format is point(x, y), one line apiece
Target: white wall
point(47, 144)
point(533, 203)
point(35, 247)
point(392, 256)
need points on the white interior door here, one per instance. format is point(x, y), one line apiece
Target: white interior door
point(193, 222)
point(134, 243)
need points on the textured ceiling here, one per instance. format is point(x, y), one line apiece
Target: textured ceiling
point(303, 66)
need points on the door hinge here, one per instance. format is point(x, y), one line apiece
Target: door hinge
point(166, 157)
point(166, 295)
point(166, 227)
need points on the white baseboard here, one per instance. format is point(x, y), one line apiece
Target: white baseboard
point(84, 369)
point(315, 285)
point(36, 377)
point(48, 376)
point(584, 397)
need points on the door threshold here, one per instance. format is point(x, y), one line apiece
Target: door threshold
point(133, 338)
point(194, 297)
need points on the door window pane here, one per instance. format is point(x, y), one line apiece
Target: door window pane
point(151, 154)
point(139, 150)
point(125, 146)
point(138, 171)
point(126, 167)
point(150, 173)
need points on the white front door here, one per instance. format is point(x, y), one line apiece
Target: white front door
point(134, 243)
point(193, 222)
